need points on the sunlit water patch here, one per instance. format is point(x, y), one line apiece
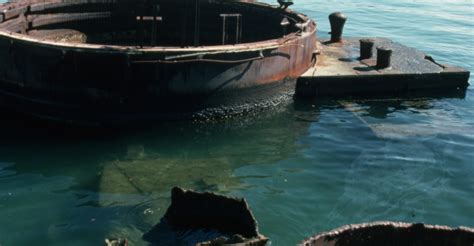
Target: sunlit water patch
point(304, 168)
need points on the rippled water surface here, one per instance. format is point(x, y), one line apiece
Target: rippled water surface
point(304, 168)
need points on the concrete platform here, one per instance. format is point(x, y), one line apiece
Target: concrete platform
point(339, 72)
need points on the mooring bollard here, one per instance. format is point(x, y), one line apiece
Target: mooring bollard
point(337, 21)
point(366, 48)
point(384, 57)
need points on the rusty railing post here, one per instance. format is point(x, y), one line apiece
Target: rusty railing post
point(197, 16)
point(154, 24)
point(223, 28)
point(237, 31)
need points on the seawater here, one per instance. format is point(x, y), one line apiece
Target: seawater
point(304, 168)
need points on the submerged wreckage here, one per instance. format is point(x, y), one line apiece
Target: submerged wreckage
point(208, 219)
point(393, 234)
point(117, 61)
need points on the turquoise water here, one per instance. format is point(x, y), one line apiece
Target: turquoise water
point(304, 168)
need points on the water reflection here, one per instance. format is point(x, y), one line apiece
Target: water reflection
point(116, 182)
point(413, 165)
point(425, 117)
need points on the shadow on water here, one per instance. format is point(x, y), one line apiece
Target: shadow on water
point(115, 182)
point(381, 106)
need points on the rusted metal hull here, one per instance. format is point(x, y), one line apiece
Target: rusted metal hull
point(106, 83)
point(393, 233)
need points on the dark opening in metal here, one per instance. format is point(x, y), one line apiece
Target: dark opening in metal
point(151, 23)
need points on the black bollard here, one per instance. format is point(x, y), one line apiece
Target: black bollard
point(384, 57)
point(366, 48)
point(337, 21)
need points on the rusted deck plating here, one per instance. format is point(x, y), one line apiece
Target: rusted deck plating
point(339, 72)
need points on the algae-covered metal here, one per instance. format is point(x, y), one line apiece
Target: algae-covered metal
point(206, 219)
point(121, 60)
point(393, 233)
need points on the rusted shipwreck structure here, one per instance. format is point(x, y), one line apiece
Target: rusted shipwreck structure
point(95, 61)
point(201, 219)
point(393, 234)
point(206, 219)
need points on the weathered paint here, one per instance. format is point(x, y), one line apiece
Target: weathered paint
point(340, 73)
point(393, 233)
point(96, 82)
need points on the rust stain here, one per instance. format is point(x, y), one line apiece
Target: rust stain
point(41, 48)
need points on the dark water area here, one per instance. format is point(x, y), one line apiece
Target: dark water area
point(305, 167)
